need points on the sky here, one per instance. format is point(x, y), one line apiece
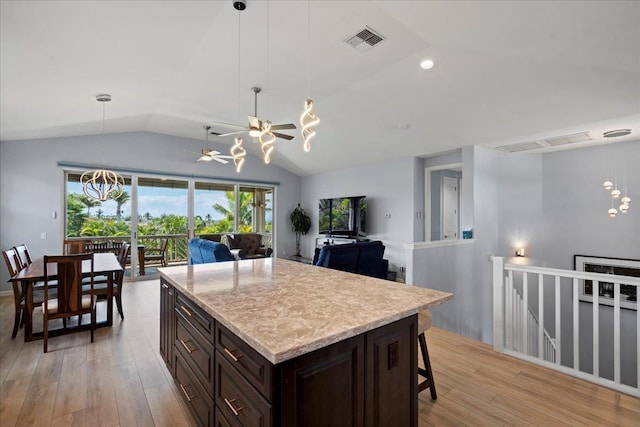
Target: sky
point(159, 201)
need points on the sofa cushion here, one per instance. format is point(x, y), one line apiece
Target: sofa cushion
point(361, 258)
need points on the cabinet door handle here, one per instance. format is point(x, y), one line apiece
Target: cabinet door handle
point(236, 411)
point(231, 355)
point(184, 344)
point(165, 286)
point(184, 390)
point(186, 310)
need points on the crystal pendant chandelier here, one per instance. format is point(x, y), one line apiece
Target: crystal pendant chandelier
point(612, 187)
point(102, 184)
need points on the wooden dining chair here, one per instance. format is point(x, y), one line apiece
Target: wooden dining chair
point(69, 299)
point(424, 323)
point(75, 246)
point(13, 266)
point(23, 255)
point(101, 282)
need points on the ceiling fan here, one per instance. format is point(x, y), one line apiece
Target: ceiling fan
point(207, 155)
point(256, 126)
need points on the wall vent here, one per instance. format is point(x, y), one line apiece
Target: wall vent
point(546, 143)
point(364, 40)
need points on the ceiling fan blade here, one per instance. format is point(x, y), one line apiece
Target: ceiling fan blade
point(220, 156)
point(230, 133)
point(283, 136)
point(219, 160)
point(284, 126)
point(226, 124)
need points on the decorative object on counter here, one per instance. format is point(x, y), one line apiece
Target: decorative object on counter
point(102, 184)
point(467, 234)
point(300, 224)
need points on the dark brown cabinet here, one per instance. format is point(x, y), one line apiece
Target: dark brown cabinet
point(369, 379)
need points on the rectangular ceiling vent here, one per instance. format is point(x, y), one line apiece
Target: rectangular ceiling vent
point(546, 143)
point(521, 146)
point(365, 40)
point(567, 139)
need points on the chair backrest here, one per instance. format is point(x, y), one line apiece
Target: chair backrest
point(75, 246)
point(11, 259)
point(163, 245)
point(123, 254)
point(23, 255)
point(68, 275)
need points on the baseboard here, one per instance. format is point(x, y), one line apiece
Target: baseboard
point(6, 293)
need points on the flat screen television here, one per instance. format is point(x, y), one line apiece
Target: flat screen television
point(343, 216)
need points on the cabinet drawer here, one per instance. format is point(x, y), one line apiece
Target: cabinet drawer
point(221, 421)
point(198, 401)
point(238, 401)
point(197, 353)
point(251, 364)
point(197, 317)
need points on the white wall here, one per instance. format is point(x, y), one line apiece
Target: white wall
point(389, 187)
point(32, 184)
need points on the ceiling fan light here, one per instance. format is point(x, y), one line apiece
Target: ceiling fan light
point(255, 133)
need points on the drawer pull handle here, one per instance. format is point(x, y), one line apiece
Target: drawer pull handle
point(186, 310)
point(184, 390)
point(231, 355)
point(164, 286)
point(184, 344)
point(236, 411)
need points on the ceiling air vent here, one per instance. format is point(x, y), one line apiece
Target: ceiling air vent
point(546, 143)
point(567, 139)
point(521, 146)
point(365, 40)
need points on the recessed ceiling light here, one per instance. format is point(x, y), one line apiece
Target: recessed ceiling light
point(427, 64)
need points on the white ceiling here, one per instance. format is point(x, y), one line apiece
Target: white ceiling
point(505, 72)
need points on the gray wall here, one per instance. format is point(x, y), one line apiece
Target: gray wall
point(576, 223)
point(389, 187)
point(32, 184)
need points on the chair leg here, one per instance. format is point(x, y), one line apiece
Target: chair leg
point(93, 321)
point(45, 332)
point(118, 298)
point(17, 321)
point(426, 372)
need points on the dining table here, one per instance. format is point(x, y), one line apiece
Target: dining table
point(105, 264)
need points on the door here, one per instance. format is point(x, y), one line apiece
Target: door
point(450, 208)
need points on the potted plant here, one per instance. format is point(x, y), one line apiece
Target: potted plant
point(301, 223)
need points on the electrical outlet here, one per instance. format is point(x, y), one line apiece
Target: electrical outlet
point(43, 236)
point(387, 215)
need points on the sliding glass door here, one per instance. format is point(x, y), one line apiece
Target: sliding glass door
point(161, 225)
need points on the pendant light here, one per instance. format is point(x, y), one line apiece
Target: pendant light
point(102, 184)
point(237, 150)
point(616, 193)
point(308, 120)
point(266, 137)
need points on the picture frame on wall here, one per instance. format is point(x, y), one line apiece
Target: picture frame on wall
point(605, 265)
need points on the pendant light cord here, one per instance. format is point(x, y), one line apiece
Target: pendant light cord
point(308, 47)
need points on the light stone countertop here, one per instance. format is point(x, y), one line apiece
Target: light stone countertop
point(284, 309)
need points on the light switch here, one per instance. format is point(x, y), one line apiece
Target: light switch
point(43, 236)
point(54, 214)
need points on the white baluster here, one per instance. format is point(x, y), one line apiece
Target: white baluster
point(556, 354)
point(540, 316)
point(616, 332)
point(576, 327)
point(525, 304)
point(596, 327)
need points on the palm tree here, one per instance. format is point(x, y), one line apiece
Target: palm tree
point(89, 202)
point(245, 211)
point(123, 198)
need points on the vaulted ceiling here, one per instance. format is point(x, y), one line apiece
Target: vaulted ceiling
point(505, 72)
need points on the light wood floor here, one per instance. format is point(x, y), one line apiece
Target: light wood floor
point(120, 379)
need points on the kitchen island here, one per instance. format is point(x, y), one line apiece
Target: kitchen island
point(274, 342)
